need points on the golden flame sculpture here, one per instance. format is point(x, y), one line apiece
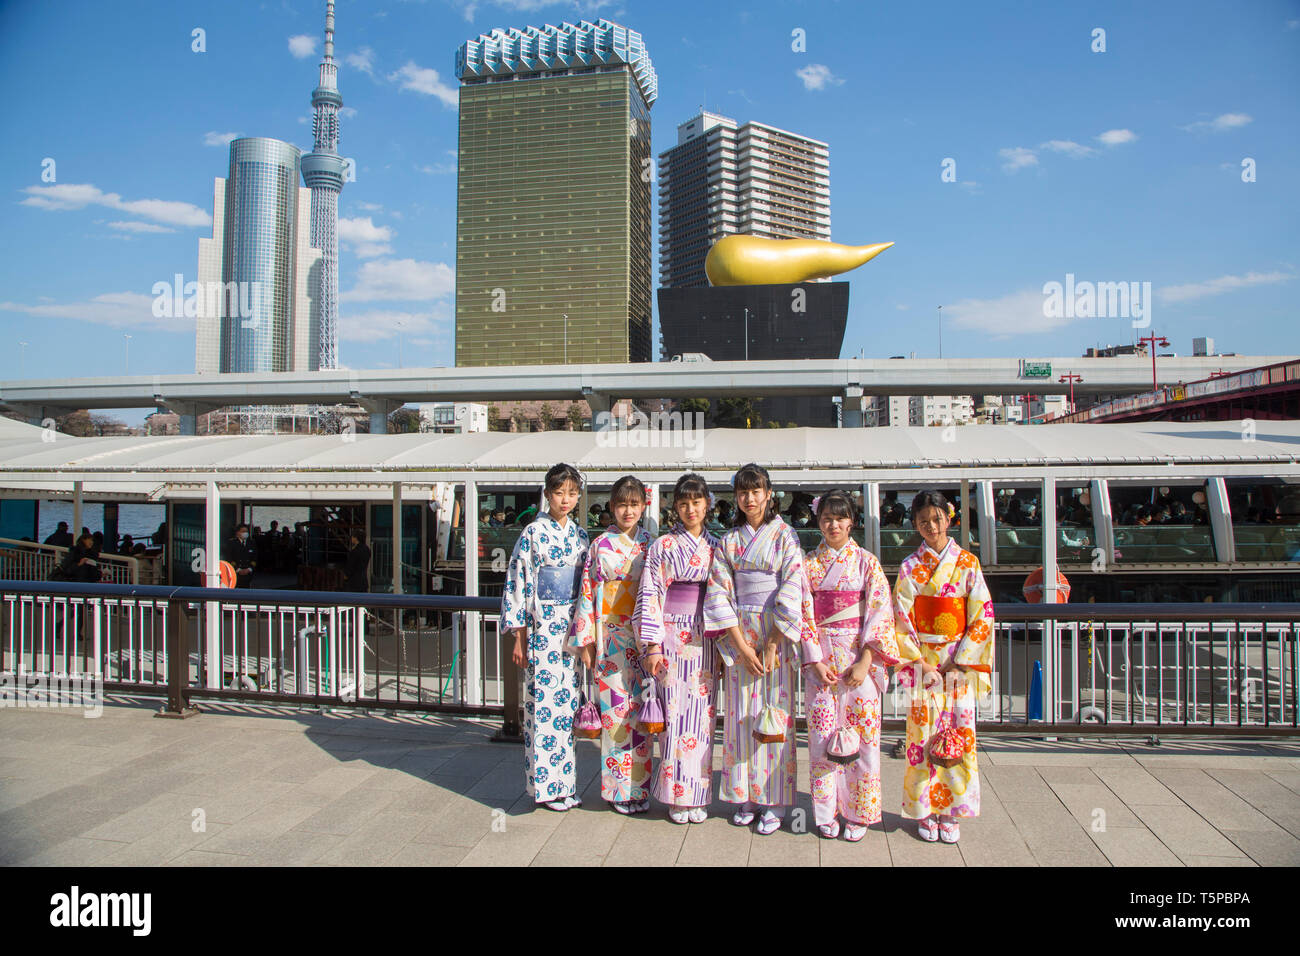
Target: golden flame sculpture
point(751, 260)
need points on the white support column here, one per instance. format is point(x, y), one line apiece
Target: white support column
point(77, 523)
point(1051, 689)
point(965, 514)
point(651, 519)
point(212, 579)
point(601, 419)
point(397, 537)
point(473, 619)
point(988, 524)
point(1216, 498)
point(1103, 525)
point(871, 515)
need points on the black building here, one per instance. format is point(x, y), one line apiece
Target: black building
point(804, 321)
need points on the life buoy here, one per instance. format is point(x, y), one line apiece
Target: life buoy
point(1033, 587)
point(228, 578)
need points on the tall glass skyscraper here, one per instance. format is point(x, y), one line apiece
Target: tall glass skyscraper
point(259, 269)
point(553, 196)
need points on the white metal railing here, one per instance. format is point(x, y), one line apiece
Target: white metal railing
point(33, 561)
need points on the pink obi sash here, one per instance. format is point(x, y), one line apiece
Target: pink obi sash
point(685, 599)
point(839, 609)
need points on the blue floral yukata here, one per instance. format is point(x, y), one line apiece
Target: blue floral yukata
point(539, 595)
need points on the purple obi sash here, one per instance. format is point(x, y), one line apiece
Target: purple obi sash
point(558, 584)
point(754, 589)
point(685, 598)
point(841, 609)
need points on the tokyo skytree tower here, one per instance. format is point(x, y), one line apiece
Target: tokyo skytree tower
point(322, 171)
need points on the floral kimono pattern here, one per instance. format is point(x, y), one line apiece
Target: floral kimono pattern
point(538, 600)
point(942, 612)
point(843, 629)
point(754, 772)
point(603, 617)
point(684, 777)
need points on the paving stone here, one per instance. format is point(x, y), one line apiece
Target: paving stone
point(1053, 835)
point(1185, 832)
point(1018, 785)
point(428, 854)
point(348, 813)
point(715, 842)
point(1274, 847)
point(1136, 785)
point(1095, 804)
point(514, 846)
point(655, 844)
point(984, 843)
point(1222, 808)
point(1132, 846)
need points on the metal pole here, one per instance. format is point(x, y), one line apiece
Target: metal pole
point(178, 665)
point(473, 619)
point(940, 331)
point(747, 335)
point(212, 566)
point(397, 537)
point(566, 340)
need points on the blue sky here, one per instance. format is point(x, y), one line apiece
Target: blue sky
point(1123, 165)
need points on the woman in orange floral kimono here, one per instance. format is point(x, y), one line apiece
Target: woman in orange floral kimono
point(943, 615)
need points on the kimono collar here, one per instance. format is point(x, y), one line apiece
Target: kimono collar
point(552, 519)
point(939, 555)
point(832, 553)
point(627, 540)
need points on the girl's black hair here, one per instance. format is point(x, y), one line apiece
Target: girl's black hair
point(750, 477)
point(690, 485)
point(561, 473)
point(929, 499)
point(837, 504)
point(628, 488)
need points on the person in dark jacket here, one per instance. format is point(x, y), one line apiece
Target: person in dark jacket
point(357, 569)
point(81, 565)
point(241, 556)
point(61, 536)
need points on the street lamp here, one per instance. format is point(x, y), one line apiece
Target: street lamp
point(566, 337)
point(1071, 377)
point(128, 352)
point(22, 359)
point(1155, 340)
point(940, 331)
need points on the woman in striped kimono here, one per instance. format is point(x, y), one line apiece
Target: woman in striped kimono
point(669, 622)
point(847, 664)
point(755, 606)
point(537, 601)
point(943, 616)
point(604, 635)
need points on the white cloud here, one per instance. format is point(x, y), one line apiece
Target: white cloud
point(1198, 290)
point(119, 310)
point(1017, 157)
point(817, 76)
point(401, 279)
point(302, 46)
point(1069, 147)
point(1116, 137)
point(585, 7)
point(363, 60)
point(1019, 313)
point(1219, 124)
point(370, 206)
point(424, 81)
point(65, 196)
point(138, 227)
point(365, 238)
point(347, 112)
point(219, 139)
point(416, 328)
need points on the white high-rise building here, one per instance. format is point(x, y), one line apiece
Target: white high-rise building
point(721, 180)
point(258, 274)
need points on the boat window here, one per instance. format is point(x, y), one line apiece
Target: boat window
point(1161, 524)
point(1265, 519)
